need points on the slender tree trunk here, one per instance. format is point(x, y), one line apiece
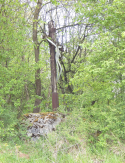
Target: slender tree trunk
point(52, 32)
point(36, 50)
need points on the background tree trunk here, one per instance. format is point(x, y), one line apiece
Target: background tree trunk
point(36, 49)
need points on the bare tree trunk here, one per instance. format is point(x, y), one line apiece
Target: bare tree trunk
point(55, 101)
point(36, 49)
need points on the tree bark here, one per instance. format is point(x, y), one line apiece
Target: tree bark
point(36, 50)
point(55, 101)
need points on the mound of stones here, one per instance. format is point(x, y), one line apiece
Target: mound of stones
point(40, 124)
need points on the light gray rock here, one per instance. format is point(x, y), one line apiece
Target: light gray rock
point(40, 124)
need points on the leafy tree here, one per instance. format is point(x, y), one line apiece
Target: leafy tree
point(14, 54)
point(99, 83)
point(103, 73)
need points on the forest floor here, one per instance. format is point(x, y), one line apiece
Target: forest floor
point(46, 152)
point(68, 144)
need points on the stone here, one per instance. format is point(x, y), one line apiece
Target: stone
point(40, 124)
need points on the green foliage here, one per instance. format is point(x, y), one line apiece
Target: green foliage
point(69, 143)
point(66, 101)
point(92, 88)
point(54, 2)
point(106, 125)
point(7, 129)
point(101, 77)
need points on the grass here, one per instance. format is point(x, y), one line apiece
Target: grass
point(68, 144)
point(45, 152)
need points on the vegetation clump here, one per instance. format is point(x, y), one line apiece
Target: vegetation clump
point(91, 86)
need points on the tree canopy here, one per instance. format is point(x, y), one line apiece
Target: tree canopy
point(92, 36)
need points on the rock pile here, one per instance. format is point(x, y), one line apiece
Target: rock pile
point(40, 124)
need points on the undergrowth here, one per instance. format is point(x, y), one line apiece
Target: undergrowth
point(88, 135)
